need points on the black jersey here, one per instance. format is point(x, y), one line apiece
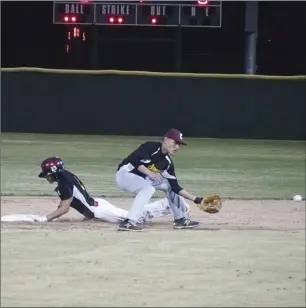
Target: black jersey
point(69, 185)
point(151, 156)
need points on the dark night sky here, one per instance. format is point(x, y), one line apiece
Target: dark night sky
point(29, 38)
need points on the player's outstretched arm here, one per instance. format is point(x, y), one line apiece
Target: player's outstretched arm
point(185, 194)
point(172, 179)
point(62, 209)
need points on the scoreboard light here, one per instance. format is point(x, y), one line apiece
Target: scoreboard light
point(153, 21)
point(113, 20)
point(66, 18)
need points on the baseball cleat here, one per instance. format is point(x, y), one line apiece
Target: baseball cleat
point(185, 223)
point(126, 225)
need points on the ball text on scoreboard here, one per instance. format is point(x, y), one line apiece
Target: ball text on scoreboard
point(143, 14)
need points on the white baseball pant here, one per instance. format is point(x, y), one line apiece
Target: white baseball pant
point(107, 212)
point(144, 189)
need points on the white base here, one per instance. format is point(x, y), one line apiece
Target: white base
point(19, 217)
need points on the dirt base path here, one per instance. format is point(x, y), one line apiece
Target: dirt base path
point(235, 215)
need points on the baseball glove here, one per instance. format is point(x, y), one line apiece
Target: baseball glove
point(211, 204)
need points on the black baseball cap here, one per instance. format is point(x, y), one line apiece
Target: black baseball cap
point(175, 135)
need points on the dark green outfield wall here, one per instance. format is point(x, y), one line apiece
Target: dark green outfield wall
point(149, 105)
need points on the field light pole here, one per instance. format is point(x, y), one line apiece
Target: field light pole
point(250, 30)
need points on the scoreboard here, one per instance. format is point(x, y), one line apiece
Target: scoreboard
point(142, 13)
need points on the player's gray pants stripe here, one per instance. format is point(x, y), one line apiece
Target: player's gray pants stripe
point(144, 189)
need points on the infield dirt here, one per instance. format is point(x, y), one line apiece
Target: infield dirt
point(250, 254)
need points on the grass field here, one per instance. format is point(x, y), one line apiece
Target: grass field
point(231, 168)
point(251, 254)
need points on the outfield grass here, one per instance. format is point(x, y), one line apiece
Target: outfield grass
point(232, 168)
